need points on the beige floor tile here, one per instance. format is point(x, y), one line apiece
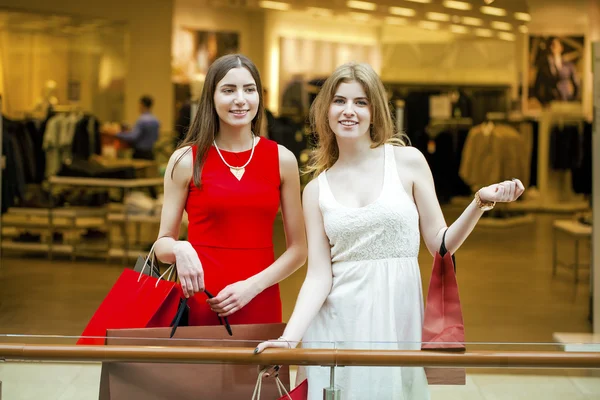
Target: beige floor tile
point(49, 381)
point(587, 385)
point(469, 391)
point(527, 387)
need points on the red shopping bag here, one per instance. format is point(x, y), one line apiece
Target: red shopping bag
point(443, 326)
point(135, 301)
point(300, 392)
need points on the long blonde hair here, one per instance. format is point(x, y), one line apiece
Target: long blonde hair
point(206, 124)
point(382, 131)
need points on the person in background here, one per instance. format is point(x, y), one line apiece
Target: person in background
point(144, 134)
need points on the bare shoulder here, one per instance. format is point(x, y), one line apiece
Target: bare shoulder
point(288, 165)
point(310, 194)
point(180, 165)
point(286, 157)
point(409, 157)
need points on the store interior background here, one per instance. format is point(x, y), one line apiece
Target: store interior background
point(103, 55)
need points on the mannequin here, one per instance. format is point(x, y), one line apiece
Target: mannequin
point(47, 101)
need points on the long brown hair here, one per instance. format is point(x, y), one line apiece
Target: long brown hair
point(382, 131)
point(206, 124)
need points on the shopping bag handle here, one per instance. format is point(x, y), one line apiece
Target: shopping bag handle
point(178, 315)
point(280, 386)
point(152, 257)
point(444, 250)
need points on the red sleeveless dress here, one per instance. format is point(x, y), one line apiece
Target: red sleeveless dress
point(231, 229)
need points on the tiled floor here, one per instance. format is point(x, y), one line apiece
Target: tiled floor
point(51, 381)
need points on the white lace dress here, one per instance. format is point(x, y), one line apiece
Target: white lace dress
point(376, 301)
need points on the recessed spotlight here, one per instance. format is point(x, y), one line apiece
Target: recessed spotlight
point(499, 12)
point(472, 21)
point(506, 36)
point(404, 12)
point(457, 5)
point(484, 32)
point(503, 26)
point(274, 5)
point(436, 16)
point(521, 16)
point(362, 5)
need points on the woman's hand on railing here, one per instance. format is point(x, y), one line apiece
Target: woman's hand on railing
point(280, 343)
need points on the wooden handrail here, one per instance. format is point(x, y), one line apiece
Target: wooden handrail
point(323, 357)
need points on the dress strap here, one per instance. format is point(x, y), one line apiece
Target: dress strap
point(391, 173)
point(325, 193)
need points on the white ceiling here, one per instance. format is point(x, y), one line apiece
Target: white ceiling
point(412, 12)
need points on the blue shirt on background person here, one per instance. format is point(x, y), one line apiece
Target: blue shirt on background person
point(144, 134)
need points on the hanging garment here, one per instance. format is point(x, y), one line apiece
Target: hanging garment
point(494, 153)
point(581, 171)
point(564, 147)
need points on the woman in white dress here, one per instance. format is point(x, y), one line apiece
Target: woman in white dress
point(372, 198)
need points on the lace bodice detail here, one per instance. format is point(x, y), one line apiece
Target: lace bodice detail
point(386, 228)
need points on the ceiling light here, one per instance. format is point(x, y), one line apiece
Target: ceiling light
point(523, 29)
point(321, 12)
point(484, 32)
point(362, 5)
point(500, 12)
point(405, 12)
point(457, 5)
point(504, 26)
point(521, 16)
point(506, 36)
point(488, 1)
point(360, 16)
point(395, 21)
point(472, 21)
point(274, 5)
point(428, 25)
point(435, 16)
point(420, 1)
point(459, 29)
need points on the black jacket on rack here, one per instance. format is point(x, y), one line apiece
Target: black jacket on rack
point(24, 145)
point(13, 177)
point(564, 147)
point(36, 130)
point(86, 140)
point(443, 154)
point(581, 170)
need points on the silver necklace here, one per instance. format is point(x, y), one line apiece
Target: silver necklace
point(238, 172)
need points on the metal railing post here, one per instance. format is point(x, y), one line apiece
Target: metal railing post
point(331, 393)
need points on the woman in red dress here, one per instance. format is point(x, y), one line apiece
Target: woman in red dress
point(232, 182)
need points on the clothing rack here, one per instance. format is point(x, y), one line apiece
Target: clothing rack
point(555, 190)
point(436, 126)
point(66, 108)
